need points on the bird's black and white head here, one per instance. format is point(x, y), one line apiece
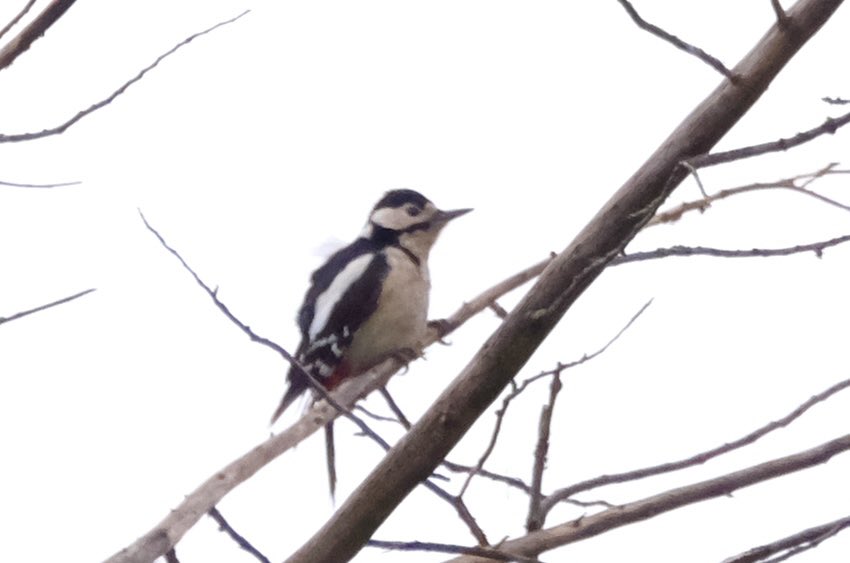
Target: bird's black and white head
point(407, 219)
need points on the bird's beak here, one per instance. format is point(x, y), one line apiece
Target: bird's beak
point(446, 216)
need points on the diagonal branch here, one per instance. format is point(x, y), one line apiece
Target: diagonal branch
point(792, 544)
point(517, 390)
point(694, 460)
point(590, 526)
point(481, 382)
point(105, 102)
point(791, 184)
point(830, 126)
point(21, 314)
point(711, 61)
point(240, 540)
point(37, 27)
point(14, 21)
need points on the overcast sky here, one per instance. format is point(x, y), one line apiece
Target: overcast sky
point(259, 148)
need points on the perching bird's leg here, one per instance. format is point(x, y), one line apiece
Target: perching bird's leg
point(405, 356)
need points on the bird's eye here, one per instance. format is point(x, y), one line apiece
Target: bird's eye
point(413, 211)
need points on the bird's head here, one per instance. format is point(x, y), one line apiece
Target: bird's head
point(409, 219)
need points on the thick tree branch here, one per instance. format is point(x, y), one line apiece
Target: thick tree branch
point(589, 526)
point(105, 102)
point(422, 449)
point(43, 307)
point(37, 27)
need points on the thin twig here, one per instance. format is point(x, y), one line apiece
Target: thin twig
point(697, 459)
point(514, 482)
point(669, 500)
point(375, 416)
point(816, 247)
point(63, 127)
point(831, 125)
point(805, 539)
point(535, 518)
point(791, 184)
point(807, 546)
point(781, 16)
point(17, 18)
point(490, 553)
point(21, 314)
point(711, 61)
point(43, 186)
point(171, 556)
point(835, 101)
point(518, 390)
point(395, 408)
point(240, 540)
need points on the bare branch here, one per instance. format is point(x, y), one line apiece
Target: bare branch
point(43, 186)
point(678, 43)
point(240, 540)
point(514, 482)
point(781, 16)
point(490, 553)
point(835, 101)
point(14, 21)
point(37, 27)
point(534, 521)
point(518, 390)
point(806, 539)
point(816, 247)
point(213, 294)
point(791, 184)
point(105, 102)
point(171, 556)
point(697, 459)
point(593, 525)
point(43, 307)
point(481, 382)
point(395, 408)
point(831, 125)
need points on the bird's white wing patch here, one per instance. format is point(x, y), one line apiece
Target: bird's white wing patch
point(327, 300)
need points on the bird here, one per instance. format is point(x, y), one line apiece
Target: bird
point(369, 300)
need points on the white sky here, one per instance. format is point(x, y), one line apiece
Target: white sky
point(256, 148)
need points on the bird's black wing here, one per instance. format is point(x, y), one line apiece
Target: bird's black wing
point(338, 305)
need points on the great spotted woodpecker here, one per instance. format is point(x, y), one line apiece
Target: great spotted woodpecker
point(369, 301)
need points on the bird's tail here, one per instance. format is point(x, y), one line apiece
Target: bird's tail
point(331, 454)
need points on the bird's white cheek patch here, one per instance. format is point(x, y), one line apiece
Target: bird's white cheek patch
point(330, 297)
